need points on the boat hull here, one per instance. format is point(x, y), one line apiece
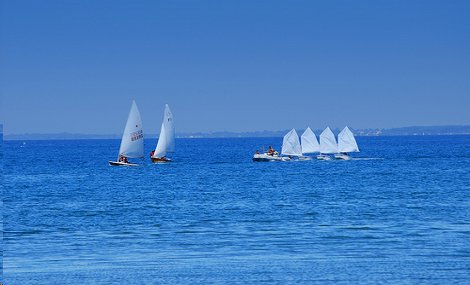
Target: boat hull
point(119, 163)
point(160, 160)
point(303, 158)
point(342, 156)
point(264, 157)
point(323, 157)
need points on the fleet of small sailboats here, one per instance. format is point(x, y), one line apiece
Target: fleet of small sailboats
point(293, 148)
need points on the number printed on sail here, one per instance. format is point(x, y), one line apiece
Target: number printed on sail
point(137, 135)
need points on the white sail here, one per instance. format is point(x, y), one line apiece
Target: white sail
point(346, 141)
point(169, 128)
point(166, 140)
point(309, 142)
point(132, 142)
point(160, 150)
point(291, 144)
point(328, 142)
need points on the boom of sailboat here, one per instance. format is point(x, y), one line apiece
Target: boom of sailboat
point(294, 148)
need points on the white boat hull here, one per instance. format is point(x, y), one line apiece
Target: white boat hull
point(323, 157)
point(264, 157)
point(303, 158)
point(119, 163)
point(342, 156)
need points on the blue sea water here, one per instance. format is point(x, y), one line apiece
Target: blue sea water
point(398, 213)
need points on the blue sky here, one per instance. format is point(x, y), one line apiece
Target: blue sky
point(75, 66)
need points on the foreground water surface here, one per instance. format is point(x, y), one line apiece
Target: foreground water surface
point(397, 213)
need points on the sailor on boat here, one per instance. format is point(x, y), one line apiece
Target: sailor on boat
point(271, 151)
point(123, 158)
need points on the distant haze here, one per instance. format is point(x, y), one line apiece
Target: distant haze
point(239, 66)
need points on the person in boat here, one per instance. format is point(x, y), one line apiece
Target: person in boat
point(257, 152)
point(271, 150)
point(152, 153)
point(123, 158)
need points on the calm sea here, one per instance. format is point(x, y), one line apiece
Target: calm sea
point(398, 213)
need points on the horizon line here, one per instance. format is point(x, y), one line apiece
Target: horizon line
point(226, 131)
point(409, 130)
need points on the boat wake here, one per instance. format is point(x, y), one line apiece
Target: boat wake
point(368, 158)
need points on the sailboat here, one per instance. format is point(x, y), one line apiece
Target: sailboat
point(132, 142)
point(327, 144)
point(346, 143)
point(291, 145)
point(309, 143)
point(166, 140)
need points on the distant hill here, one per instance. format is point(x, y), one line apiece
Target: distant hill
point(432, 130)
point(405, 131)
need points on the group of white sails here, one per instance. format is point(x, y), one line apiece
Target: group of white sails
point(132, 142)
point(308, 143)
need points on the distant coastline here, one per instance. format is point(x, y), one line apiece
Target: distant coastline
point(404, 131)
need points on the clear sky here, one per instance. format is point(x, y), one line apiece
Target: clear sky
point(75, 66)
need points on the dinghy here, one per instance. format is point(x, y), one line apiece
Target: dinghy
point(346, 143)
point(291, 145)
point(265, 157)
point(166, 140)
point(270, 155)
point(327, 144)
point(132, 142)
point(309, 143)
